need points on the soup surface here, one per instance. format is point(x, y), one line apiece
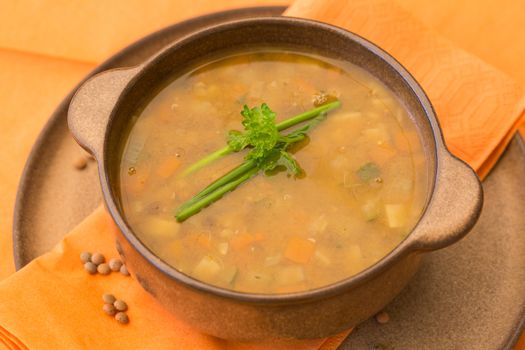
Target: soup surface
point(363, 189)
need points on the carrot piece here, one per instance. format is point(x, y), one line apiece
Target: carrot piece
point(299, 250)
point(200, 239)
point(136, 183)
point(243, 240)
point(168, 167)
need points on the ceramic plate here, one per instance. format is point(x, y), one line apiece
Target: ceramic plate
point(468, 296)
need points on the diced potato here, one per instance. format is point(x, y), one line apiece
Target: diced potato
point(289, 275)
point(318, 225)
point(207, 268)
point(322, 258)
point(223, 248)
point(396, 215)
point(227, 233)
point(370, 210)
point(272, 260)
point(160, 227)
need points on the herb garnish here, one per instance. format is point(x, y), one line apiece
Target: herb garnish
point(268, 151)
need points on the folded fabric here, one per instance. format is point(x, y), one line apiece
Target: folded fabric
point(54, 304)
point(479, 108)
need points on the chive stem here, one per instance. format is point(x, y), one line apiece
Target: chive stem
point(231, 175)
point(210, 198)
point(287, 123)
point(206, 160)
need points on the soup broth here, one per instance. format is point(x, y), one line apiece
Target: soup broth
point(364, 186)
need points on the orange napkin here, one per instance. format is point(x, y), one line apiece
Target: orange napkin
point(54, 304)
point(479, 108)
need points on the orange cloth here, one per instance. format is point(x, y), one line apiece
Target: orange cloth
point(53, 290)
point(479, 108)
point(53, 303)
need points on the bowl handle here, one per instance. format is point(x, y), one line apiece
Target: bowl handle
point(455, 207)
point(91, 107)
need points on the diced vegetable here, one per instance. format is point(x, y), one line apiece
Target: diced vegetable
point(289, 275)
point(243, 240)
point(272, 260)
point(299, 250)
point(160, 227)
point(396, 215)
point(369, 171)
point(223, 248)
point(206, 268)
point(201, 240)
point(318, 225)
point(168, 167)
point(370, 210)
point(322, 258)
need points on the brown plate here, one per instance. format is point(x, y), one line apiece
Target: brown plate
point(468, 296)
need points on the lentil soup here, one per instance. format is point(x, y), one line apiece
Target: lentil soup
point(364, 186)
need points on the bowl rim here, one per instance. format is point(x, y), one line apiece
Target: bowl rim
point(400, 251)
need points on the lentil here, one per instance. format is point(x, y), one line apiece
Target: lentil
point(122, 317)
point(115, 264)
point(109, 309)
point(108, 298)
point(103, 269)
point(124, 270)
point(382, 317)
point(120, 305)
point(97, 259)
point(85, 257)
point(90, 267)
point(80, 163)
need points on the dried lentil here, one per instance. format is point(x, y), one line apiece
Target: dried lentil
point(103, 269)
point(109, 309)
point(382, 317)
point(80, 163)
point(90, 267)
point(108, 298)
point(124, 270)
point(97, 258)
point(120, 305)
point(115, 264)
point(122, 317)
point(85, 257)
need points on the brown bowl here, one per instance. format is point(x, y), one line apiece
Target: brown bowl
point(99, 115)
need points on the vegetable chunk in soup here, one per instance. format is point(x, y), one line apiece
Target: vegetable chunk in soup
point(363, 188)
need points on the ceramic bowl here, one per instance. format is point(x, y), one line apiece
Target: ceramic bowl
point(99, 116)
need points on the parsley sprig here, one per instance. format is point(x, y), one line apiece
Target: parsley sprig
point(268, 151)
